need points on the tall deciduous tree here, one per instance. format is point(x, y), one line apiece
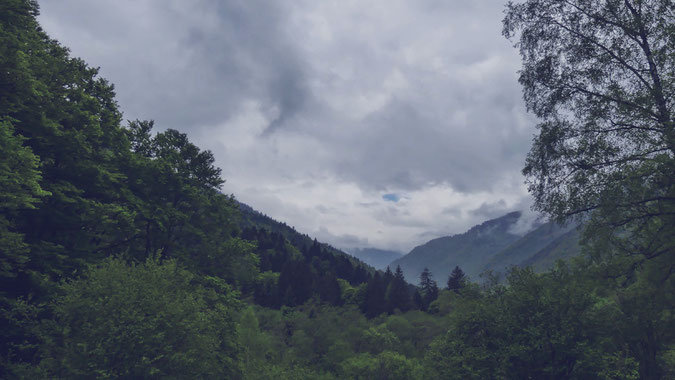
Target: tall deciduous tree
point(19, 190)
point(600, 75)
point(374, 302)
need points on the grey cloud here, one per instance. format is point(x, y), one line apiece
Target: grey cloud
point(192, 73)
point(247, 50)
point(423, 95)
point(490, 210)
point(451, 211)
point(402, 148)
point(344, 241)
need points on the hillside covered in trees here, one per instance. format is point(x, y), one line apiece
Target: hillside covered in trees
point(121, 258)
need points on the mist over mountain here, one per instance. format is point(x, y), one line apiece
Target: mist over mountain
point(514, 239)
point(539, 248)
point(470, 250)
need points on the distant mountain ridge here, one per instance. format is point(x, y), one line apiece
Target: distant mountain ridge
point(492, 245)
point(377, 258)
point(469, 250)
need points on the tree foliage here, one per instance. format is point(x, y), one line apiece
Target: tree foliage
point(600, 75)
point(536, 327)
point(119, 256)
point(142, 321)
point(429, 289)
point(19, 190)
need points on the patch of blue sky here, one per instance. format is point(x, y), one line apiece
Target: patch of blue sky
point(391, 197)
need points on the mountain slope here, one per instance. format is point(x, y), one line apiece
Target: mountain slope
point(538, 248)
point(253, 218)
point(294, 267)
point(562, 248)
point(470, 250)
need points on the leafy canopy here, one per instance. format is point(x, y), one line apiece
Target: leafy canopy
point(142, 321)
point(600, 75)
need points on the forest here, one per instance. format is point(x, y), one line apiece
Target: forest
point(120, 257)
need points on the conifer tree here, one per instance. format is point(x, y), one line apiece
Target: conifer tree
point(374, 302)
point(457, 279)
point(397, 295)
point(329, 290)
point(417, 300)
point(429, 289)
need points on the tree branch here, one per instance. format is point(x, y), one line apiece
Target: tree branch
point(606, 49)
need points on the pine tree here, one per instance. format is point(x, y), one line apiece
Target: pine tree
point(429, 289)
point(374, 302)
point(397, 295)
point(457, 279)
point(417, 300)
point(329, 290)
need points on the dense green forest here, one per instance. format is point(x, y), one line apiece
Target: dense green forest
point(121, 258)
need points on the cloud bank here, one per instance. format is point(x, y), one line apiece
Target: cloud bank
point(379, 123)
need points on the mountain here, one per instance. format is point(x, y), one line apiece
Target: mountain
point(493, 245)
point(540, 248)
point(377, 258)
point(470, 250)
point(562, 248)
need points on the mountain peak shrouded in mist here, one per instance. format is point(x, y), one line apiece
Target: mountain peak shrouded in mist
point(469, 249)
point(487, 246)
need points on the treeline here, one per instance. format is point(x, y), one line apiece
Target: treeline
point(291, 277)
point(562, 324)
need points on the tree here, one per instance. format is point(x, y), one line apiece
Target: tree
point(429, 289)
point(397, 295)
point(19, 190)
point(537, 326)
point(142, 321)
point(600, 75)
point(374, 302)
point(457, 279)
point(178, 209)
point(386, 365)
point(417, 300)
point(329, 289)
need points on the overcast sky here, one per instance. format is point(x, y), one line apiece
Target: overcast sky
point(376, 123)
